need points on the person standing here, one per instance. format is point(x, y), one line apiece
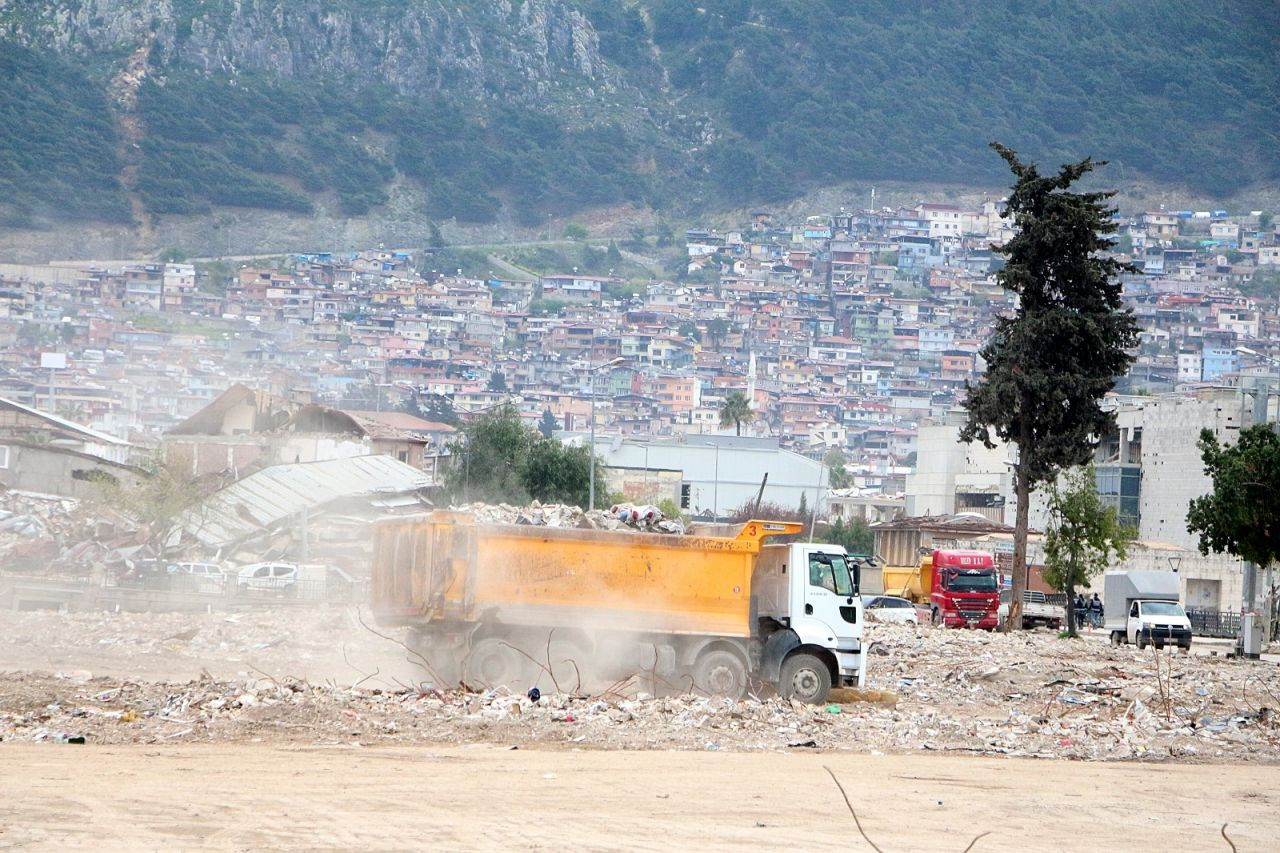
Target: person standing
point(1095, 611)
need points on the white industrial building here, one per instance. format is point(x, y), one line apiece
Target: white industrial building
point(722, 472)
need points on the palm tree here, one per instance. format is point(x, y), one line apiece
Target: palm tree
point(736, 410)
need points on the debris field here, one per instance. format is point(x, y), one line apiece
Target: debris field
point(305, 676)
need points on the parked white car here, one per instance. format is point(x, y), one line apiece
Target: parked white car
point(267, 577)
point(891, 608)
point(207, 577)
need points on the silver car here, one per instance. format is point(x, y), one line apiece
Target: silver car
point(891, 608)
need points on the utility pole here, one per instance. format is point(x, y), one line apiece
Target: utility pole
point(591, 375)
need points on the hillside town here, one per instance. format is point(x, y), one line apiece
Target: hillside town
point(854, 332)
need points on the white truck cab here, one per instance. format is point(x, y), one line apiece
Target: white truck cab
point(1158, 623)
point(809, 604)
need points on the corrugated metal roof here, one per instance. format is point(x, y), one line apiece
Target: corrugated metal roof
point(69, 426)
point(265, 498)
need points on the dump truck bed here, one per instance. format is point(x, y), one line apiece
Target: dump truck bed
point(443, 566)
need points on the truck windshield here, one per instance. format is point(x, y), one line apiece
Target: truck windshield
point(972, 583)
point(831, 572)
point(1162, 608)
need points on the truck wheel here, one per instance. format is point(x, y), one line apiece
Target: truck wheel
point(444, 661)
point(1137, 638)
point(721, 673)
point(805, 677)
point(492, 662)
point(1116, 638)
point(936, 618)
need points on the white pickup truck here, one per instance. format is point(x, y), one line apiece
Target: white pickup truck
point(1037, 609)
point(1143, 608)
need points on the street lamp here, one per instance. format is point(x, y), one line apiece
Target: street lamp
point(591, 486)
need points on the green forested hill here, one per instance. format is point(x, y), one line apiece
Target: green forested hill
point(544, 107)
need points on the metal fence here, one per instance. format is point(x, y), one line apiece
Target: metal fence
point(1214, 623)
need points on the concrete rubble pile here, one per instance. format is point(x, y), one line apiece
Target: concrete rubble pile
point(35, 529)
point(624, 517)
point(1026, 695)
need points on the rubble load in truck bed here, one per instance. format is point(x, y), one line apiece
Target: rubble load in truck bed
point(1029, 694)
point(625, 517)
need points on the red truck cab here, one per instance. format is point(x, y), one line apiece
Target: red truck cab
point(965, 591)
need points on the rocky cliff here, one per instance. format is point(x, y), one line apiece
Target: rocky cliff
point(498, 50)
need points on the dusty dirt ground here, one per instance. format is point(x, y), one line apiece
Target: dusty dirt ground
point(303, 730)
point(255, 797)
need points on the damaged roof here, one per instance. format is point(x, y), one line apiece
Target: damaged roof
point(262, 500)
point(964, 522)
point(78, 430)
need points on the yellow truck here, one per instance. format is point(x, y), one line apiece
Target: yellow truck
point(508, 604)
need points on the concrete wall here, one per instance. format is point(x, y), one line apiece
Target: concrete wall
point(54, 472)
point(642, 486)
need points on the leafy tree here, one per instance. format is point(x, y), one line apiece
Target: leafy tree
point(557, 473)
point(1083, 537)
point(487, 458)
point(1263, 284)
point(717, 328)
point(837, 476)
point(161, 500)
point(689, 329)
point(497, 381)
point(547, 307)
point(500, 459)
point(574, 231)
point(736, 410)
point(855, 536)
point(438, 408)
point(664, 235)
point(1051, 362)
point(803, 509)
point(547, 426)
point(1241, 515)
point(1265, 219)
point(613, 254)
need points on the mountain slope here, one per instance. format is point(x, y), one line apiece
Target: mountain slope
point(491, 108)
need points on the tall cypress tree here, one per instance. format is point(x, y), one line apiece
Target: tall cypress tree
point(1050, 363)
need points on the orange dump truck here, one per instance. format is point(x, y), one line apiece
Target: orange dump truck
point(522, 605)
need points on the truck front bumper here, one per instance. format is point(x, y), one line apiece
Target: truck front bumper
point(987, 622)
point(853, 667)
point(1171, 635)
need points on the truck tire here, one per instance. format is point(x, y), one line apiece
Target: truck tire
point(493, 662)
point(805, 677)
point(1117, 639)
point(1137, 639)
point(438, 661)
point(720, 673)
point(935, 617)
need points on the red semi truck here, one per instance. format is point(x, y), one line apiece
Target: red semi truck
point(962, 588)
point(965, 591)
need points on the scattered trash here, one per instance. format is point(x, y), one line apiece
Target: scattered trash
point(1049, 698)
